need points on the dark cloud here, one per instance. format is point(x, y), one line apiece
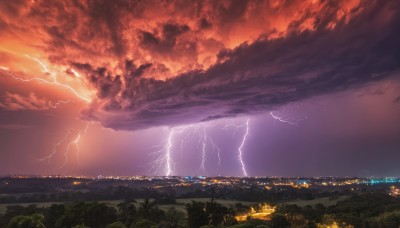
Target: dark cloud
point(232, 11)
point(187, 62)
point(180, 36)
point(107, 85)
point(255, 77)
point(204, 24)
point(110, 14)
point(172, 30)
point(166, 42)
point(397, 100)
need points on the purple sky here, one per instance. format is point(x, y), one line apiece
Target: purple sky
point(128, 89)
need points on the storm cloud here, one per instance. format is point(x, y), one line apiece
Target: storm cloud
point(258, 76)
point(193, 61)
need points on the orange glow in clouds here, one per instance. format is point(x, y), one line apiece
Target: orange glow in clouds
point(175, 38)
point(42, 41)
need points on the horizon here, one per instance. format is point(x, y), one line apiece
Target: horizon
point(27, 176)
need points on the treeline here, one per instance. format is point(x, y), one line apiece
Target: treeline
point(368, 210)
point(100, 215)
point(253, 194)
point(111, 193)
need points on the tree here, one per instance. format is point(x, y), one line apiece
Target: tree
point(99, 215)
point(15, 210)
point(311, 215)
point(25, 221)
point(229, 217)
point(197, 215)
point(128, 212)
point(116, 225)
point(291, 211)
point(90, 214)
point(149, 211)
point(216, 213)
point(174, 218)
point(328, 219)
point(243, 225)
point(211, 213)
point(279, 221)
point(54, 212)
point(143, 223)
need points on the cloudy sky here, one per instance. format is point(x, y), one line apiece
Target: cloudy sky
point(241, 88)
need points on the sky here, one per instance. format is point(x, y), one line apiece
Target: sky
point(233, 88)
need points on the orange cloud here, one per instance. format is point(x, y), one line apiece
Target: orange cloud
point(15, 102)
point(190, 61)
point(176, 37)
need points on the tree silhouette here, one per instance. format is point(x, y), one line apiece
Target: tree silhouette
point(24, 221)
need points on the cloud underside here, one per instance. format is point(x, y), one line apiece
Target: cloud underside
point(256, 77)
point(188, 62)
point(16, 102)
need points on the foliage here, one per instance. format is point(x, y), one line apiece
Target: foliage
point(279, 221)
point(16, 210)
point(116, 225)
point(91, 214)
point(143, 223)
point(174, 218)
point(149, 211)
point(387, 219)
point(24, 221)
point(363, 210)
point(127, 211)
point(197, 215)
point(209, 213)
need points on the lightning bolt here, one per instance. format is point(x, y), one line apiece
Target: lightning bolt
point(281, 119)
point(168, 154)
point(235, 126)
point(164, 159)
point(54, 81)
point(66, 154)
point(207, 141)
point(165, 162)
point(218, 150)
point(74, 143)
point(241, 149)
point(203, 150)
point(45, 70)
point(81, 135)
point(58, 102)
point(76, 74)
point(4, 68)
point(51, 155)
